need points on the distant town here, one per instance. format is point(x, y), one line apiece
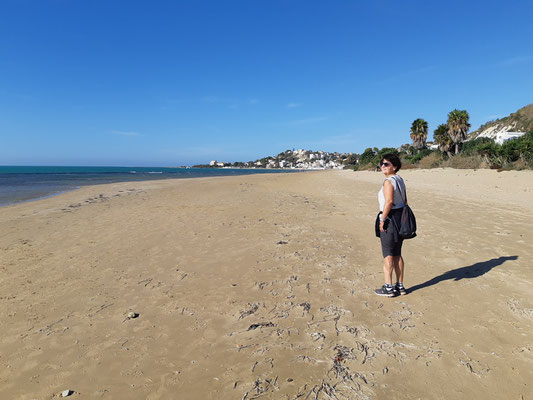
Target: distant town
point(300, 159)
point(294, 159)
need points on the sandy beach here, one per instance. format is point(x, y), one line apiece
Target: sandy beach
point(261, 287)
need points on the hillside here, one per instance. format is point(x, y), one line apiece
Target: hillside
point(293, 159)
point(520, 121)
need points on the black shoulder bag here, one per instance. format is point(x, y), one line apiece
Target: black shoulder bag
point(407, 228)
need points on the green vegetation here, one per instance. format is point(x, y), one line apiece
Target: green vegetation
point(521, 148)
point(432, 160)
point(419, 133)
point(478, 153)
point(443, 139)
point(416, 157)
point(350, 160)
point(458, 127)
point(455, 151)
point(371, 157)
point(512, 154)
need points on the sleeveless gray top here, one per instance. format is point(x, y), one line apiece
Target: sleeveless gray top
point(399, 198)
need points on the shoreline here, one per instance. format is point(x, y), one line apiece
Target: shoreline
point(151, 176)
point(369, 176)
point(262, 285)
point(39, 198)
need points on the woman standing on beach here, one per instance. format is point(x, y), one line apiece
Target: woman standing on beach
point(391, 199)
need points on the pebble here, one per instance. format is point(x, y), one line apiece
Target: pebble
point(132, 314)
point(66, 393)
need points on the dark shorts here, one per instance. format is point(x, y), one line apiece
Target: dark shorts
point(391, 245)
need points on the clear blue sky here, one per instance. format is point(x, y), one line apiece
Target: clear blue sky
point(157, 83)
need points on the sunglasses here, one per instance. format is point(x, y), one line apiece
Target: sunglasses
point(385, 164)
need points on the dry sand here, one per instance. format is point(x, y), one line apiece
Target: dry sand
point(261, 287)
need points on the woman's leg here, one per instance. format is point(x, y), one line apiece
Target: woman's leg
point(398, 268)
point(388, 267)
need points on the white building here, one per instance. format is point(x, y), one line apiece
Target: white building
point(502, 137)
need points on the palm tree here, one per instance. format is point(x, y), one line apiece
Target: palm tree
point(458, 127)
point(443, 139)
point(419, 133)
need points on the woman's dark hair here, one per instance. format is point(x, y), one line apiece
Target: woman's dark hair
point(394, 160)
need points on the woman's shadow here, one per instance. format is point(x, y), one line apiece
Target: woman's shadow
point(471, 271)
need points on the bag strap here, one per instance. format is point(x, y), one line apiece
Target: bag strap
point(404, 195)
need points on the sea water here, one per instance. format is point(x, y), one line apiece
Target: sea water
point(18, 184)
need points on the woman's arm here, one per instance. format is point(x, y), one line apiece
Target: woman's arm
point(388, 192)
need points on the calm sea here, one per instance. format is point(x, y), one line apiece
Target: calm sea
point(19, 184)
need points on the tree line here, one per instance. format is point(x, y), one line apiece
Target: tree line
point(454, 148)
point(448, 136)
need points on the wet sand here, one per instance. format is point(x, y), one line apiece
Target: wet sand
point(255, 287)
